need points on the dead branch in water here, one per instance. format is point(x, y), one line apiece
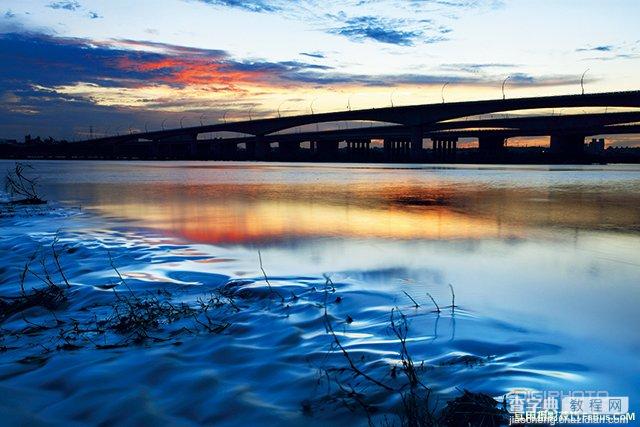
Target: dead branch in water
point(17, 184)
point(434, 302)
point(329, 327)
point(415, 304)
point(51, 296)
point(130, 318)
point(417, 408)
point(266, 279)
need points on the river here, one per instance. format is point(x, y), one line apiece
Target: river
point(544, 262)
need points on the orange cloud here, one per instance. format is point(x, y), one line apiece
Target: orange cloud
point(193, 71)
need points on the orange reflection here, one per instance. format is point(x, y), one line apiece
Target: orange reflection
point(226, 213)
point(276, 220)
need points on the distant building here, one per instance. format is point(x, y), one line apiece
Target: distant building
point(8, 141)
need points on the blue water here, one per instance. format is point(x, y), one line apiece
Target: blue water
point(544, 262)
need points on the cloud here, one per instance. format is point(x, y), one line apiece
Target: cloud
point(379, 23)
point(318, 55)
point(476, 67)
point(66, 5)
point(9, 14)
point(380, 29)
point(601, 48)
point(248, 5)
point(94, 15)
point(612, 52)
point(48, 61)
point(613, 57)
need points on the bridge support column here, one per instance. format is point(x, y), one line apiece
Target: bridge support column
point(569, 146)
point(289, 149)
point(396, 149)
point(230, 151)
point(387, 148)
point(358, 149)
point(193, 149)
point(416, 142)
point(491, 144)
point(258, 149)
point(154, 149)
point(444, 148)
point(327, 150)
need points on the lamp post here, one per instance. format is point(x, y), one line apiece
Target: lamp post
point(503, 83)
point(442, 91)
point(582, 80)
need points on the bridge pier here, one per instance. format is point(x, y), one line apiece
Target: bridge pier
point(258, 149)
point(417, 142)
point(444, 148)
point(491, 144)
point(154, 149)
point(358, 148)
point(396, 149)
point(178, 146)
point(567, 146)
point(327, 150)
point(193, 149)
point(289, 150)
point(222, 150)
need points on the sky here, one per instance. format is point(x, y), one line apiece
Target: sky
point(71, 67)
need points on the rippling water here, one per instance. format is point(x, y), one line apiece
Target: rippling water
point(544, 261)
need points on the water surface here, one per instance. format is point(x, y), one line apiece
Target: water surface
point(544, 261)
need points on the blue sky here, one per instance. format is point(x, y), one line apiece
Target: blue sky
point(115, 65)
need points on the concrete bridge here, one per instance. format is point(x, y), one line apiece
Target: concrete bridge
point(405, 128)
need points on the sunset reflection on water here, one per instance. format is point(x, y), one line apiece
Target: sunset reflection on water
point(245, 213)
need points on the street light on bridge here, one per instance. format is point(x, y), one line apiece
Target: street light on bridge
point(442, 91)
point(582, 80)
point(503, 83)
point(279, 107)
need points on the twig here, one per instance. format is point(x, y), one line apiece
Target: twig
point(416, 305)
point(434, 302)
point(453, 298)
point(346, 355)
point(266, 279)
point(57, 260)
